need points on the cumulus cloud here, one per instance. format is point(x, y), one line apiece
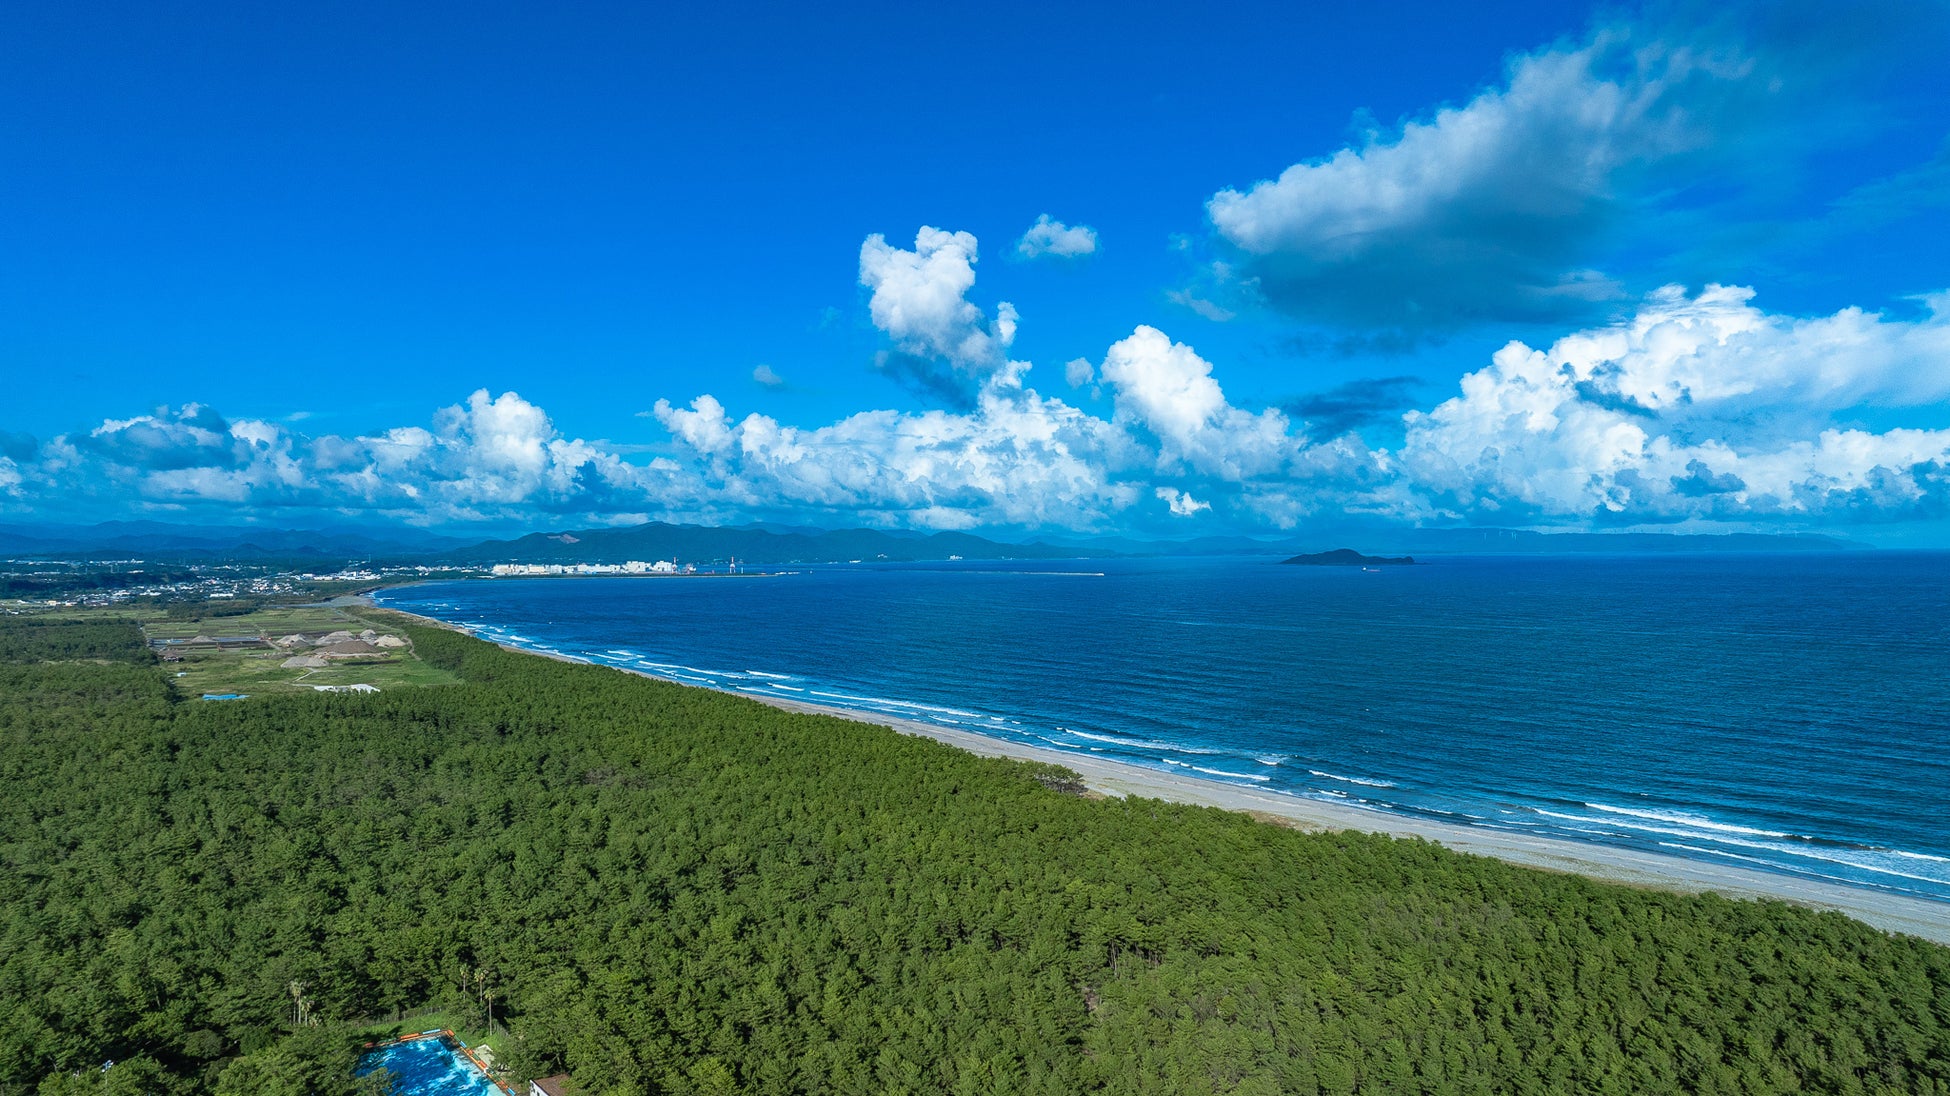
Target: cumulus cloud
point(943, 344)
point(1700, 406)
point(186, 453)
point(487, 457)
point(1493, 210)
point(1015, 458)
point(1051, 237)
point(1181, 503)
point(1166, 388)
point(768, 377)
point(489, 452)
point(191, 436)
point(1023, 459)
point(704, 427)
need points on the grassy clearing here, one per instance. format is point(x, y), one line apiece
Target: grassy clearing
point(259, 671)
point(269, 623)
point(142, 614)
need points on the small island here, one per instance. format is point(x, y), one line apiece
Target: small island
point(1348, 557)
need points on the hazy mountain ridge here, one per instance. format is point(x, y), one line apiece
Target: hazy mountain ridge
point(770, 544)
point(1471, 542)
point(751, 544)
point(202, 542)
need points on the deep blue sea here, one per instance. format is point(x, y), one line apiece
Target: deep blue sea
point(1785, 712)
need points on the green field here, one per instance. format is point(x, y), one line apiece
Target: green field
point(269, 623)
point(259, 671)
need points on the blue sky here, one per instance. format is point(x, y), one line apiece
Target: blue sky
point(492, 266)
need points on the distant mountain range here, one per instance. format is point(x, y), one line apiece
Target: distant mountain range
point(769, 545)
point(1528, 542)
point(1467, 542)
point(758, 545)
point(202, 543)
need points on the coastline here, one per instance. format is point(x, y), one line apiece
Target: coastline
point(1889, 912)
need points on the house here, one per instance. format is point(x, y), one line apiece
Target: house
point(557, 1085)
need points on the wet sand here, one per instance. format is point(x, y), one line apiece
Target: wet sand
point(1891, 912)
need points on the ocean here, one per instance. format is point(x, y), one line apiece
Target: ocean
point(1784, 712)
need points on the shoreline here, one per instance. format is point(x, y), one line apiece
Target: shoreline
point(1889, 912)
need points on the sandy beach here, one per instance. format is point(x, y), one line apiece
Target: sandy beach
point(1890, 912)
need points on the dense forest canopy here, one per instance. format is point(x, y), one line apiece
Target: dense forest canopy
point(670, 890)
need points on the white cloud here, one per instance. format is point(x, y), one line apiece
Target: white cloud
point(1696, 356)
point(1079, 372)
point(920, 300)
point(1698, 406)
point(705, 427)
point(1490, 210)
point(1167, 388)
point(1052, 237)
point(768, 377)
point(1016, 458)
point(944, 349)
point(489, 455)
point(486, 457)
point(1164, 385)
point(1181, 503)
point(1019, 458)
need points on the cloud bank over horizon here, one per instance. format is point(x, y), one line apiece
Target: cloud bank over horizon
point(1700, 409)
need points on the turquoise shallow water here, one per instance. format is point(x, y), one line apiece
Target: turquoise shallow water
point(1785, 712)
point(427, 1067)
